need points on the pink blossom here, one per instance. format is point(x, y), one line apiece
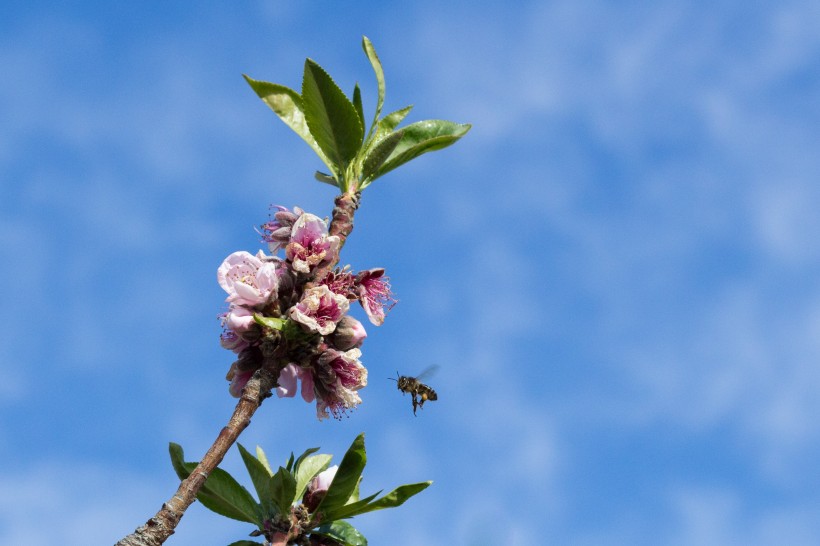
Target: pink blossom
point(341, 374)
point(341, 281)
point(375, 295)
point(276, 232)
point(232, 341)
point(310, 244)
point(319, 309)
point(287, 383)
point(249, 280)
point(239, 319)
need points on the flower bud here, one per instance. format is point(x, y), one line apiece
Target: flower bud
point(349, 334)
point(276, 232)
point(231, 341)
point(249, 359)
point(241, 371)
point(317, 488)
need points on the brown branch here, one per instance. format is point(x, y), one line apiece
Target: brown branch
point(157, 529)
point(341, 225)
point(342, 222)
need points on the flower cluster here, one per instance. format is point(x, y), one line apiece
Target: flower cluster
point(285, 309)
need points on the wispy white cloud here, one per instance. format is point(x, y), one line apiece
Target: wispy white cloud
point(716, 516)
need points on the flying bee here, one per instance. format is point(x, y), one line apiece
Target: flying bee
point(420, 392)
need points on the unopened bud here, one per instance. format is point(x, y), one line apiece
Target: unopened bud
point(349, 334)
point(249, 360)
point(317, 489)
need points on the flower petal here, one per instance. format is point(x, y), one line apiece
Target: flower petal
point(287, 381)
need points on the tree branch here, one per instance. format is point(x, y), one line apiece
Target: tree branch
point(157, 529)
point(341, 225)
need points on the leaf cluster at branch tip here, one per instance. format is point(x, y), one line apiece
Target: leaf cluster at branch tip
point(333, 126)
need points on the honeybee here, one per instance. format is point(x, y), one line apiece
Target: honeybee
point(420, 392)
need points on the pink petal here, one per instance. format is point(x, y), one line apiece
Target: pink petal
point(287, 381)
point(307, 387)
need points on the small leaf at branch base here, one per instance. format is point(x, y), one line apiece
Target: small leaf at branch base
point(326, 178)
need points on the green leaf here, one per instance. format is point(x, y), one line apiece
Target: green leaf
point(357, 103)
point(221, 493)
point(282, 490)
point(354, 497)
point(343, 532)
point(308, 468)
point(397, 497)
point(326, 178)
point(271, 322)
point(260, 478)
point(289, 465)
point(331, 117)
point(370, 51)
point(378, 155)
point(287, 104)
point(422, 137)
point(308, 451)
point(391, 120)
point(347, 477)
point(263, 459)
point(177, 460)
point(351, 509)
point(245, 543)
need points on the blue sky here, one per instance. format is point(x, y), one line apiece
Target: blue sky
point(617, 268)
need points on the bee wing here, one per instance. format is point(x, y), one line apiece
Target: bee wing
point(427, 372)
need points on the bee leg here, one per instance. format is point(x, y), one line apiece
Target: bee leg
point(415, 403)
